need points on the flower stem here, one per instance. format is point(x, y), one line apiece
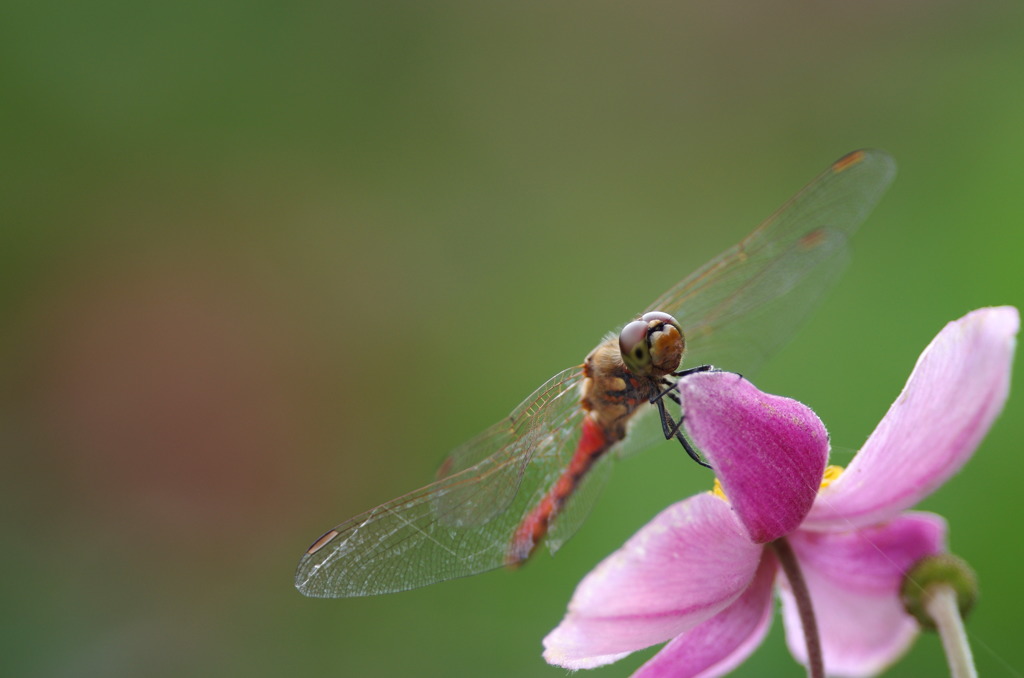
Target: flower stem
point(944, 610)
point(787, 559)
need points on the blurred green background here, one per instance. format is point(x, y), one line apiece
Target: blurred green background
point(264, 264)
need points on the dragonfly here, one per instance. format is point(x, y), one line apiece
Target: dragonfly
point(534, 476)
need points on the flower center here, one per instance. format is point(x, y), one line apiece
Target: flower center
point(718, 491)
point(832, 473)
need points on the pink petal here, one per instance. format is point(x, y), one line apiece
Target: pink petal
point(854, 580)
point(720, 644)
point(768, 452)
point(955, 392)
point(689, 563)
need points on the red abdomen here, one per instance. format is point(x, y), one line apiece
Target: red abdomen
point(593, 443)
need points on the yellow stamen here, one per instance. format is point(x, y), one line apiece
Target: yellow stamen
point(718, 491)
point(832, 473)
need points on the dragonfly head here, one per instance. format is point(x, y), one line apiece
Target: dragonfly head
point(653, 345)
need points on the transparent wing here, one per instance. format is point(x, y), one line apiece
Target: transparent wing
point(736, 311)
point(742, 306)
point(463, 523)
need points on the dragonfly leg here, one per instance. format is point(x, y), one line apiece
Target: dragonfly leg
point(670, 391)
point(673, 429)
point(695, 370)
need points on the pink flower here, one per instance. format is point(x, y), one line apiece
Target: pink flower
point(700, 574)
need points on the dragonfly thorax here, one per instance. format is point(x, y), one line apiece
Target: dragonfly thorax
point(653, 345)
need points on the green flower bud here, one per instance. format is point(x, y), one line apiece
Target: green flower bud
point(942, 569)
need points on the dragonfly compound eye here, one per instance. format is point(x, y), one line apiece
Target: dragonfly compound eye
point(636, 354)
point(653, 345)
point(659, 315)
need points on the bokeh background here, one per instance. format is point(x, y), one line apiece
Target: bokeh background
point(262, 265)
